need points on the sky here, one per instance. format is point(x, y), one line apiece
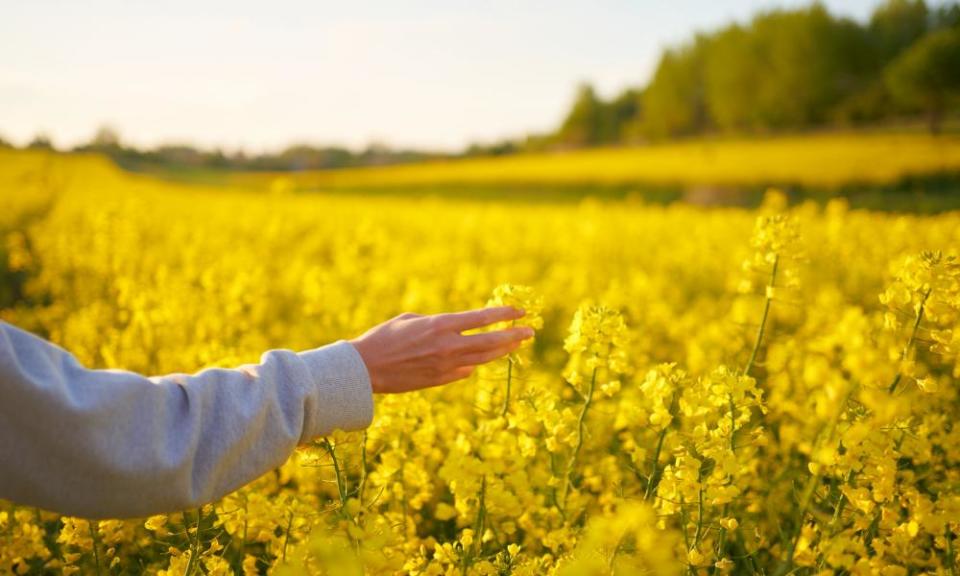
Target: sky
point(429, 74)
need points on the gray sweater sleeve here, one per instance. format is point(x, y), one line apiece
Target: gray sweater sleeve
point(115, 444)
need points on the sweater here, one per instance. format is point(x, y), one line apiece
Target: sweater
point(116, 444)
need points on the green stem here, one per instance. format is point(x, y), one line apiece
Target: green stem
point(697, 534)
point(733, 424)
point(616, 551)
point(553, 489)
point(506, 398)
point(477, 547)
point(951, 555)
point(341, 488)
point(286, 538)
point(580, 425)
point(841, 504)
point(194, 544)
point(873, 528)
point(481, 517)
point(93, 536)
point(197, 544)
point(807, 497)
point(655, 474)
point(913, 337)
point(809, 490)
point(683, 523)
point(766, 314)
point(837, 513)
point(722, 539)
point(243, 540)
point(363, 469)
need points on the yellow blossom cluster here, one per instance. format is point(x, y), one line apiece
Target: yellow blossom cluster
point(679, 411)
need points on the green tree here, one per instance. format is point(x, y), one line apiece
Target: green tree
point(787, 69)
point(946, 16)
point(105, 139)
point(673, 103)
point(40, 142)
point(927, 75)
point(895, 25)
point(624, 113)
point(585, 124)
point(733, 70)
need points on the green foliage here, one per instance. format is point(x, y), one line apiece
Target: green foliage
point(183, 157)
point(896, 24)
point(787, 69)
point(585, 124)
point(928, 74)
point(674, 103)
point(593, 122)
point(40, 142)
point(624, 114)
point(784, 70)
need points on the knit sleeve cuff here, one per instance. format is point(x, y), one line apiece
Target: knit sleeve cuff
point(341, 396)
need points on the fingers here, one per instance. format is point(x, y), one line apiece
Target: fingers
point(480, 342)
point(457, 374)
point(484, 356)
point(461, 321)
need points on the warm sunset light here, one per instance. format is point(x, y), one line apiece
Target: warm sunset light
point(480, 289)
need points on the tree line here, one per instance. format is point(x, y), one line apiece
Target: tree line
point(785, 70)
point(183, 156)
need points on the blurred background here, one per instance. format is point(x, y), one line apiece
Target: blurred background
point(194, 91)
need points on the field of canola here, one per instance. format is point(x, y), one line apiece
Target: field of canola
point(720, 391)
point(826, 160)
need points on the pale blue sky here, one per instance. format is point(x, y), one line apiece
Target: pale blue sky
point(423, 73)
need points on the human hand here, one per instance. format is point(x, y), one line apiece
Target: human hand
point(413, 351)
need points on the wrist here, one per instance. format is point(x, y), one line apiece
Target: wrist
point(339, 394)
point(366, 354)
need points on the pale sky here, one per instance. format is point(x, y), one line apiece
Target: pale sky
point(420, 73)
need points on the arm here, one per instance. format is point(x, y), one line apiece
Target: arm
point(111, 443)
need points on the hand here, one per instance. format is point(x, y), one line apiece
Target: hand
point(413, 351)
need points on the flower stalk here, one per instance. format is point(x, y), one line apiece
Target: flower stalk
point(771, 286)
point(581, 422)
point(96, 545)
point(913, 337)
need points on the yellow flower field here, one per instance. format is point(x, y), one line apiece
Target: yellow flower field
point(821, 160)
point(710, 391)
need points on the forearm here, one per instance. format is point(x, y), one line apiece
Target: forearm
point(108, 443)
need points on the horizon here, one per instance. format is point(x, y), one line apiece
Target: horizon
point(260, 79)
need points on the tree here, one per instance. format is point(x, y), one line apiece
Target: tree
point(624, 116)
point(787, 69)
point(733, 71)
point(895, 25)
point(927, 75)
point(946, 16)
point(106, 138)
point(673, 103)
point(40, 142)
point(585, 123)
